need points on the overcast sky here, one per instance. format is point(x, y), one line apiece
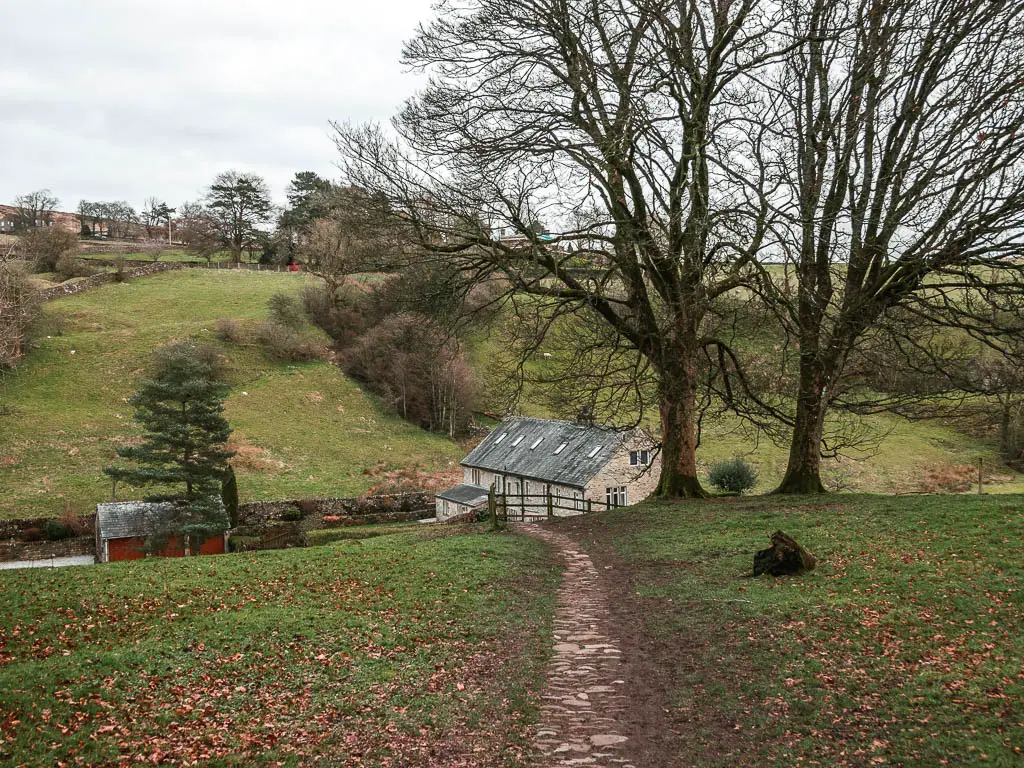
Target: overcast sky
point(122, 99)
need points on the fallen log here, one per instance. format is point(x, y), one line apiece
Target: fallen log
point(783, 558)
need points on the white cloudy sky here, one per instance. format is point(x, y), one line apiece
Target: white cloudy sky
point(122, 99)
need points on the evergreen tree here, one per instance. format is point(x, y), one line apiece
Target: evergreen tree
point(181, 410)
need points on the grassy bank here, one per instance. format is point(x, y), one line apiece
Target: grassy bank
point(301, 429)
point(904, 647)
point(400, 650)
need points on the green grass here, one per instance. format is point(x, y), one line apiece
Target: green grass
point(904, 647)
point(357, 532)
point(169, 255)
point(368, 651)
point(302, 429)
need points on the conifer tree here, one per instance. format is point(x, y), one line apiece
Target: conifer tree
point(181, 410)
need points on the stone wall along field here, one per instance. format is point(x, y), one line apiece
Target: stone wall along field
point(102, 278)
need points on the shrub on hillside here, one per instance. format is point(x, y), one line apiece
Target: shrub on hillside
point(417, 370)
point(733, 475)
point(73, 522)
point(340, 317)
point(44, 246)
point(286, 309)
point(949, 479)
point(230, 330)
point(55, 530)
point(31, 534)
point(19, 311)
point(284, 343)
point(68, 268)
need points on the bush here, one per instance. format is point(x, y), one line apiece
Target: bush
point(417, 370)
point(119, 267)
point(287, 310)
point(68, 268)
point(230, 330)
point(733, 475)
point(292, 515)
point(72, 522)
point(341, 318)
point(283, 343)
point(46, 245)
point(31, 534)
point(20, 310)
point(55, 530)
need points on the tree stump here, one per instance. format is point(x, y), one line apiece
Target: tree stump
point(783, 558)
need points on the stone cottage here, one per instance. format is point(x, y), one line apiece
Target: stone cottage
point(577, 466)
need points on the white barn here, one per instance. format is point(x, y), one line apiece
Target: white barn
point(579, 466)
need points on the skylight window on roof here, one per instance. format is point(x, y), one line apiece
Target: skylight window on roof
point(537, 442)
point(593, 453)
point(518, 440)
point(560, 448)
point(501, 437)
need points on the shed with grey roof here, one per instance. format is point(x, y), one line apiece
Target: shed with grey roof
point(557, 466)
point(126, 529)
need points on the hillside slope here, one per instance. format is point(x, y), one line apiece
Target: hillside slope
point(302, 429)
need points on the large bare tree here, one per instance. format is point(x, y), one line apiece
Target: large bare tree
point(612, 122)
point(35, 209)
point(896, 138)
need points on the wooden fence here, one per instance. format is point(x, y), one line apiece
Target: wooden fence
point(527, 507)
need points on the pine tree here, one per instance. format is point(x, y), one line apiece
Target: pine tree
point(181, 410)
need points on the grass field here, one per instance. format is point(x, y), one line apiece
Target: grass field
point(408, 650)
point(173, 254)
point(904, 647)
point(301, 429)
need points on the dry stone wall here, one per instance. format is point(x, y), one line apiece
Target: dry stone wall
point(353, 511)
point(95, 281)
point(44, 550)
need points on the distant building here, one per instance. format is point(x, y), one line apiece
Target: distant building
point(10, 217)
point(579, 466)
point(125, 530)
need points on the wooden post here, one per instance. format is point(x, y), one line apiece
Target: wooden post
point(551, 505)
point(492, 509)
point(590, 505)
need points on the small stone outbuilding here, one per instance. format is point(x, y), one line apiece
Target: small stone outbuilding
point(578, 467)
point(125, 531)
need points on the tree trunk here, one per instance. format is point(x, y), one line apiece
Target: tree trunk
point(679, 434)
point(803, 473)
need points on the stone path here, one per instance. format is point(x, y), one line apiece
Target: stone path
point(585, 694)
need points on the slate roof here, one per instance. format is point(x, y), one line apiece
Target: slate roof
point(503, 451)
point(465, 494)
point(131, 519)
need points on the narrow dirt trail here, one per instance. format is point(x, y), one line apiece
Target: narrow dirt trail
point(588, 692)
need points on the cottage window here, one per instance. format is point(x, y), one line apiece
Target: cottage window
point(615, 497)
point(537, 442)
point(593, 453)
point(476, 477)
point(639, 458)
point(518, 440)
point(577, 500)
point(560, 448)
point(501, 437)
